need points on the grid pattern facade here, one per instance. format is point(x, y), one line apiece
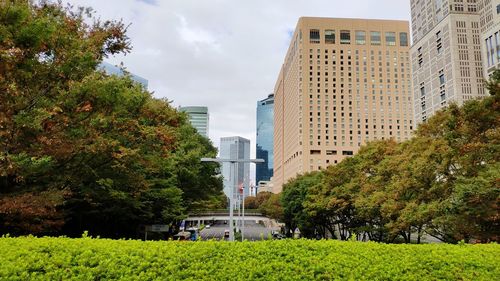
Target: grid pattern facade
point(343, 82)
point(198, 117)
point(489, 13)
point(235, 148)
point(264, 140)
point(446, 55)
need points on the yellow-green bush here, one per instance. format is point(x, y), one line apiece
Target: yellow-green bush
point(31, 258)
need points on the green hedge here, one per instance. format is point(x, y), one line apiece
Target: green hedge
point(31, 258)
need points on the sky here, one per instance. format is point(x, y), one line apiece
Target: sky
point(224, 54)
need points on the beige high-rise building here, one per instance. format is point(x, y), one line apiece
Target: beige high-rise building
point(489, 21)
point(446, 54)
point(343, 82)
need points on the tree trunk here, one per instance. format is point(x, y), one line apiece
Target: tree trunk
point(419, 234)
point(332, 231)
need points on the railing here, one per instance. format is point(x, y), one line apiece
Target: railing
point(223, 212)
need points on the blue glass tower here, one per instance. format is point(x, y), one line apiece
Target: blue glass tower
point(265, 132)
point(115, 70)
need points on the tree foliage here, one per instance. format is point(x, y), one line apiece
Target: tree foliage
point(444, 182)
point(82, 150)
point(293, 198)
point(254, 202)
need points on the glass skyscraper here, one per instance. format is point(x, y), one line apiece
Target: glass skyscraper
point(265, 131)
point(235, 148)
point(198, 116)
point(115, 70)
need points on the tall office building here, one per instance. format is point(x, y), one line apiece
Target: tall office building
point(489, 20)
point(343, 82)
point(115, 70)
point(446, 54)
point(235, 148)
point(264, 144)
point(198, 117)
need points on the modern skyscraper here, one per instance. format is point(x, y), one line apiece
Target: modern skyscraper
point(343, 82)
point(199, 118)
point(264, 144)
point(235, 148)
point(114, 70)
point(446, 54)
point(489, 20)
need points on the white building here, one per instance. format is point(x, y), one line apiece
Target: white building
point(489, 20)
point(235, 148)
point(446, 55)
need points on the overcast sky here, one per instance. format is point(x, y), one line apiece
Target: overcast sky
point(224, 54)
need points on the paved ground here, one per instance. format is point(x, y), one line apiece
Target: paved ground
point(252, 232)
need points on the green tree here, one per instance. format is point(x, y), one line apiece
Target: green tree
point(272, 207)
point(108, 155)
point(473, 135)
point(419, 181)
point(293, 197)
point(369, 178)
point(331, 202)
point(474, 205)
point(255, 202)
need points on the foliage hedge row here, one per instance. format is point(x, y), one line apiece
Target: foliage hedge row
point(29, 258)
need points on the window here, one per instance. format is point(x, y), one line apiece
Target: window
point(497, 40)
point(331, 152)
point(330, 36)
point(347, 152)
point(438, 42)
point(439, 3)
point(403, 39)
point(375, 38)
point(390, 38)
point(314, 36)
point(360, 37)
point(490, 51)
point(441, 77)
point(345, 37)
point(420, 57)
point(498, 9)
point(422, 89)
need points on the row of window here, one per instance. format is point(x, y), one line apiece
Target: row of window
point(493, 49)
point(441, 82)
point(360, 37)
point(331, 152)
point(366, 139)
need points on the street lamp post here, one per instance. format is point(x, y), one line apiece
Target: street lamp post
point(243, 213)
point(232, 176)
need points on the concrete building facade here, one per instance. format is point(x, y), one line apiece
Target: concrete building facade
point(264, 139)
point(446, 55)
point(343, 82)
point(235, 148)
point(198, 117)
point(489, 21)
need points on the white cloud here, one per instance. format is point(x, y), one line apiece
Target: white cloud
point(197, 37)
